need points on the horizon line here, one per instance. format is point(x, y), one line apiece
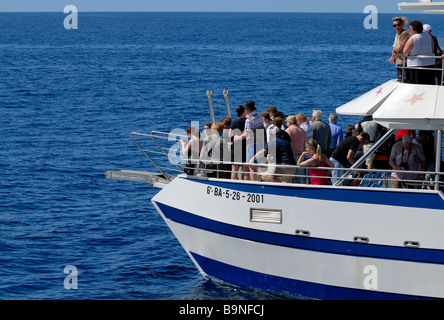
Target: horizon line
point(194, 11)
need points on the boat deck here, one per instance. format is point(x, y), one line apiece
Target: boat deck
point(167, 145)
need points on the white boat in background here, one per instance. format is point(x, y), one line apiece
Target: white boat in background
point(356, 242)
point(423, 5)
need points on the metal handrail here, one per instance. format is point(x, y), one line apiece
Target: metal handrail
point(349, 175)
point(349, 170)
point(146, 154)
point(405, 67)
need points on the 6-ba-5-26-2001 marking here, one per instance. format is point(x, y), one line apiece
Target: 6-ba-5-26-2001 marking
point(235, 195)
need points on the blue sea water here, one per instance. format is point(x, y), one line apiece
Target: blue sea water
point(69, 100)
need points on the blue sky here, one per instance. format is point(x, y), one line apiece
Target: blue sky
point(384, 6)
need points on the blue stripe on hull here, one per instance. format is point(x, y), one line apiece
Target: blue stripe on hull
point(304, 243)
point(248, 278)
point(389, 197)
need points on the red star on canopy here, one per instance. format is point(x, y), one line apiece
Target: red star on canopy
point(416, 98)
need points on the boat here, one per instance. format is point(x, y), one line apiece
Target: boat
point(365, 241)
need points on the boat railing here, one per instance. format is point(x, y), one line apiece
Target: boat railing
point(168, 145)
point(439, 70)
point(362, 177)
point(153, 155)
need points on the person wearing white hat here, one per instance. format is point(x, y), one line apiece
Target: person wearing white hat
point(427, 28)
point(437, 51)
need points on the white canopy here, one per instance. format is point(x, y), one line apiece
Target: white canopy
point(369, 102)
point(401, 106)
point(423, 5)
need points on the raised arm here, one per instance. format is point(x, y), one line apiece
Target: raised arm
point(409, 46)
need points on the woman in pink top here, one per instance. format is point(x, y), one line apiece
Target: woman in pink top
point(317, 159)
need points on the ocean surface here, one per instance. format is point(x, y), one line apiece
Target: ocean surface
point(70, 99)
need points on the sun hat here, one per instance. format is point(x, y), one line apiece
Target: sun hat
point(407, 139)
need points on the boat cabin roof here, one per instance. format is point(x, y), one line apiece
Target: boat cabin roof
point(397, 105)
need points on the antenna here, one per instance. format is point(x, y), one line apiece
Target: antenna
point(227, 102)
point(210, 103)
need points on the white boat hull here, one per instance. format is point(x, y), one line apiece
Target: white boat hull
point(327, 242)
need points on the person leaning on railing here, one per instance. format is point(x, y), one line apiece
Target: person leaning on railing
point(281, 153)
point(316, 159)
point(215, 155)
point(420, 44)
point(191, 149)
point(344, 154)
point(401, 38)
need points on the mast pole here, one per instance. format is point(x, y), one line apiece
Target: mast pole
point(227, 103)
point(210, 104)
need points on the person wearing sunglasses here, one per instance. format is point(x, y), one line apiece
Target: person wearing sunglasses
point(402, 36)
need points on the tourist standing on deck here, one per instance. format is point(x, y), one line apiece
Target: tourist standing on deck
point(272, 110)
point(191, 149)
point(303, 123)
point(207, 129)
point(281, 115)
point(238, 148)
point(337, 134)
point(374, 131)
point(315, 159)
point(437, 52)
point(406, 156)
point(279, 152)
point(344, 155)
point(401, 38)
point(254, 134)
point(321, 131)
point(420, 44)
point(298, 139)
point(215, 155)
point(268, 124)
point(226, 121)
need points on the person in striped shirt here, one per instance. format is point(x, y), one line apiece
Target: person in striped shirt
point(254, 134)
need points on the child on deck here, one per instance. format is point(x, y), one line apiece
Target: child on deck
point(317, 159)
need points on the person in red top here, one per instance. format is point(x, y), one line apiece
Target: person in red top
point(401, 133)
point(317, 159)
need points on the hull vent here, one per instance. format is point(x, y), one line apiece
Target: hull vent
point(266, 216)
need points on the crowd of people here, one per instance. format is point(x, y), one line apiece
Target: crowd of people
point(292, 148)
point(408, 45)
point(237, 148)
